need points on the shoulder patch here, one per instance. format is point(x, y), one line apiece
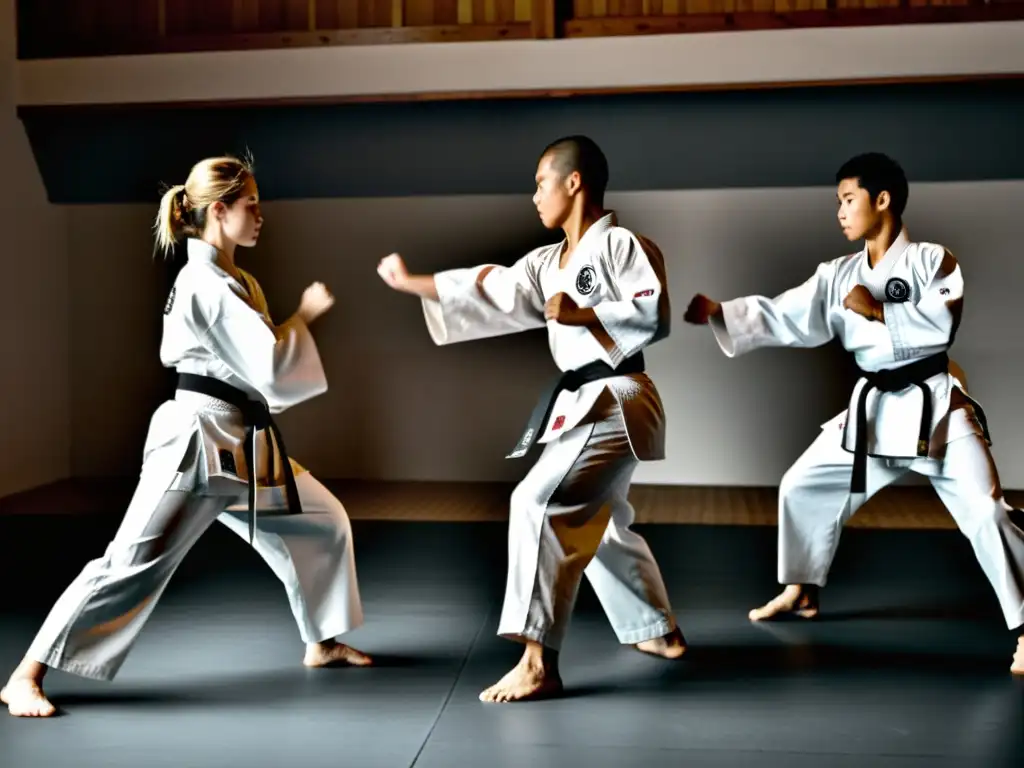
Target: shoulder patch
point(169, 304)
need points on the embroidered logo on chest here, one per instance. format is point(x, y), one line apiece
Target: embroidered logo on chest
point(897, 290)
point(170, 300)
point(586, 280)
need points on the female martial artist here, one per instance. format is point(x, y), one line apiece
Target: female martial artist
point(207, 450)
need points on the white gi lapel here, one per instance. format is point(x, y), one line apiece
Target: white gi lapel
point(883, 285)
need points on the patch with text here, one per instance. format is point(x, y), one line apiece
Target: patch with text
point(170, 300)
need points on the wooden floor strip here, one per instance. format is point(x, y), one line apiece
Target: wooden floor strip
point(902, 507)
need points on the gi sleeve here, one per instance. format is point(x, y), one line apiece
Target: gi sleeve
point(486, 301)
point(281, 362)
point(926, 321)
point(796, 318)
point(640, 313)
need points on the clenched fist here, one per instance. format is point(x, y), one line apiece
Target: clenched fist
point(701, 309)
point(561, 308)
point(392, 271)
point(861, 301)
point(316, 300)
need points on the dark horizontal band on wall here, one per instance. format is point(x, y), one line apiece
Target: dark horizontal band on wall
point(752, 138)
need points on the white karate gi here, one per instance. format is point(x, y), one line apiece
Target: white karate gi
point(922, 311)
point(570, 514)
point(194, 472)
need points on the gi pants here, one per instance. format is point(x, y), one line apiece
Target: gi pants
point(94, 624)
point(815, 502)
point(570, 516)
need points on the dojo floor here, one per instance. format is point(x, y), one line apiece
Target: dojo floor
point(908, 665)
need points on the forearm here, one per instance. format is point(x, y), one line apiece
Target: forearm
point(423, 286)
point(586, 317)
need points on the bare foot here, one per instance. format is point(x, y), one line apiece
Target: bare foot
point(670, 646)
point(25, 698)
point(534, 677)
point(331, 653)
point(1017, 667)
point(795, 600)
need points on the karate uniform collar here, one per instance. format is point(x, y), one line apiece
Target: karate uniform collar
point(596, 229)
point(602, 225)
point(899, 245)
point(201, 250)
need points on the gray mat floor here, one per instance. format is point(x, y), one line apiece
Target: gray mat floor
point(908, 665)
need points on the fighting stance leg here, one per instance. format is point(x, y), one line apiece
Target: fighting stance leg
point(95, 622)
point(559, 515)
point(624, 574)
point(313, 556)
point(967, 482)
point(814, 504)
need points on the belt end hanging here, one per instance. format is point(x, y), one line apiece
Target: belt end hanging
point(252, 491)
point(523, 446)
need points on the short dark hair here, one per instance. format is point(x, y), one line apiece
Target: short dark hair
point(876, 172)
point(581, 154)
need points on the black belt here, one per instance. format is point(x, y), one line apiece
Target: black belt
point(894, 380)
point(256, 417)
point(571, 381)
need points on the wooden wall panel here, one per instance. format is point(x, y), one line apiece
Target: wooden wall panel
point(629, 17)
point(641, 9)
point(638, 10)
point(245, 15)
point(181, 16)
point(445, 12)
point(58, 28)
point(53, 27)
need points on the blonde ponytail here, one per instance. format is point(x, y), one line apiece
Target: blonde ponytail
point(183, 207)
point(170, 218)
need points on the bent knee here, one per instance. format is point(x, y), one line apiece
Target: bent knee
point(988, 513)
point(339, 523)
point(327, 519)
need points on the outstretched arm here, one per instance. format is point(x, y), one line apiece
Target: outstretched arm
point(796, 318)
point(392, 270)
point(473, 303)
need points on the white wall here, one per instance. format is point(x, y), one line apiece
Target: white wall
point(34, 312)
point(400, 408)
point(729, 59)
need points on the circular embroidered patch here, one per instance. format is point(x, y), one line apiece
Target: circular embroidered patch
point(897, 290)
point(586, 280)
